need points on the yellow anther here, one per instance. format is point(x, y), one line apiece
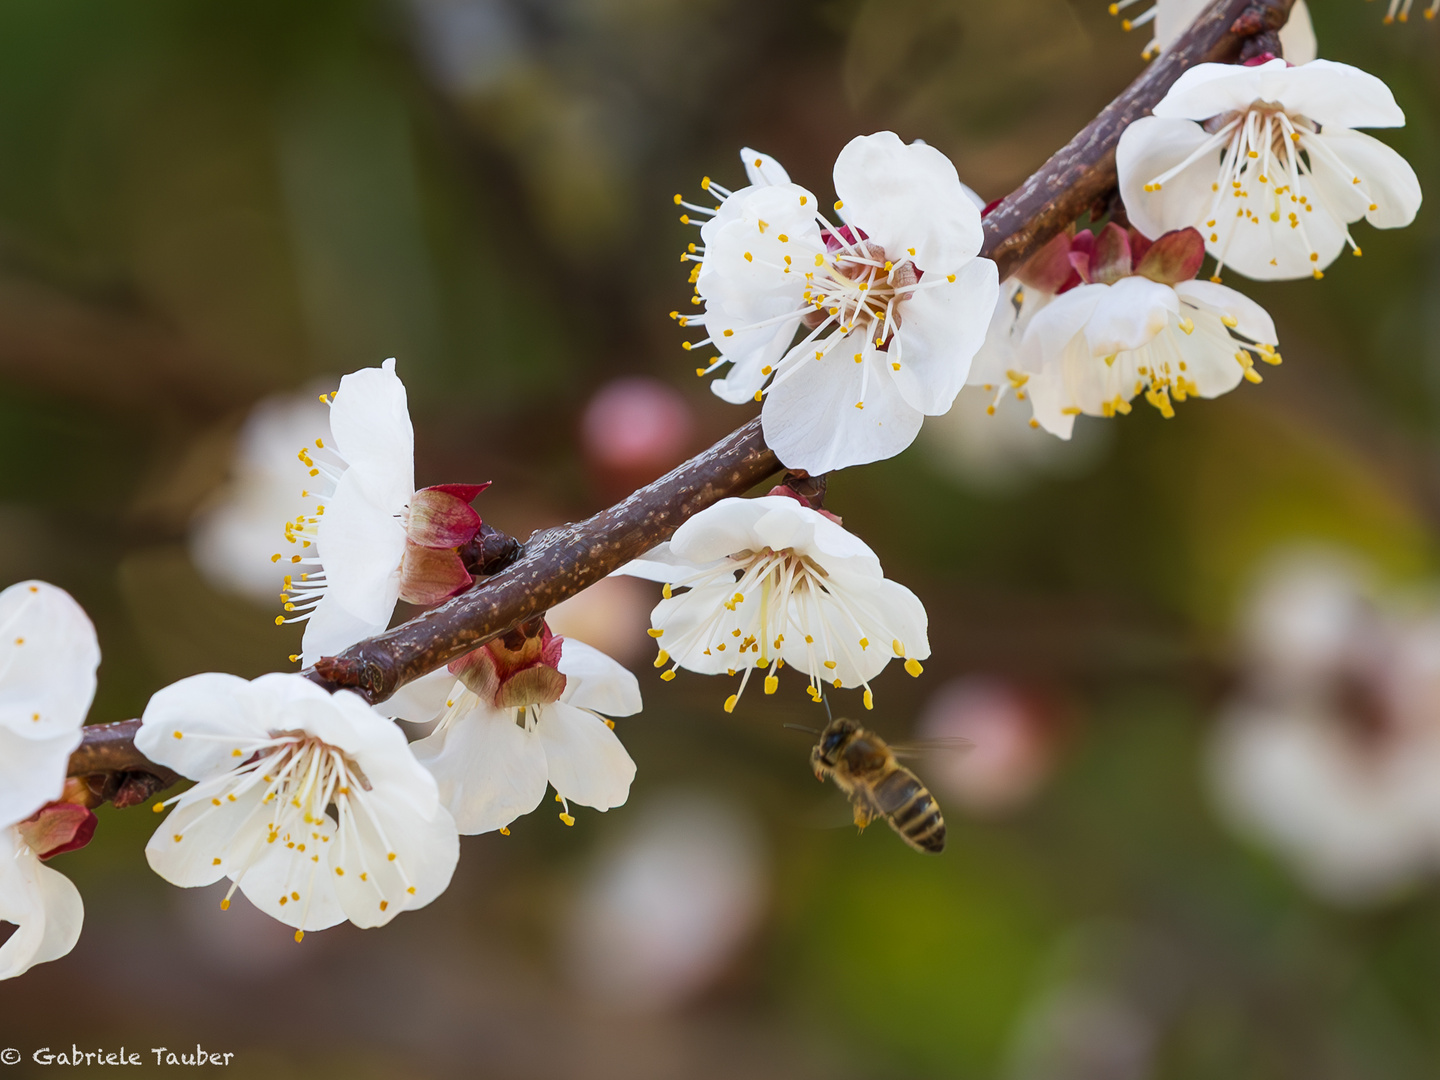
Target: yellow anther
point(566, 818)
point(772, 683)
point(913, 668)
point(730, 702)
point(662, 658)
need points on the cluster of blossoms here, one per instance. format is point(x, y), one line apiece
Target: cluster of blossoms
point(849, 332)
point(1257, 166)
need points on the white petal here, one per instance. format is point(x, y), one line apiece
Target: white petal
point(586, 762)
point(596, 682)
point(811, 419)
point(361, 543)
point(661, 563)
point(426, 850)
point(41, 903)
point(718, 531)
point(1386, 178)
point(1054, 328)
point(281, 871)
point(32, 772)
point(762, 169)
point(370, 423)
point(1209, 354)
point(1049, 400)
point(1268, 250)
point(886, 611)
point(749, 351)
point(1149, 148)
point(331, 630)
point(997, 354)
point(216, 711)
point(1129, 314)
point(1251, 319)
point(1297, 36)
point(908, 197)
point(684, 615)
point(787, 524)
point(1340, 96)
point(421, 701)
point(231, 833)
point(48, 657)
point(488, 768)
point(941, 329)
point(1207, 90)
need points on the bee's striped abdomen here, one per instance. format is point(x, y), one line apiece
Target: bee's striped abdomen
point(912, 811)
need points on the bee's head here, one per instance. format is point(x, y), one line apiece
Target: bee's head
point(833, 739)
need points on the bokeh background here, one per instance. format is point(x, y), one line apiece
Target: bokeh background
point(204, 205)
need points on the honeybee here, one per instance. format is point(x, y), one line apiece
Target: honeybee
point(864, 767)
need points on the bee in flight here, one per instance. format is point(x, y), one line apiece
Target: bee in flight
point(863, 766)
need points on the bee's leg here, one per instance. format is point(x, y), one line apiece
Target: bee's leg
point(863, 816)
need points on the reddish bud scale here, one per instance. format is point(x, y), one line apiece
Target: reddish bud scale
point(442, 521)
point(519, 669)
point(57, 828)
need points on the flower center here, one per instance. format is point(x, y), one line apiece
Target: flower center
point(851, 283)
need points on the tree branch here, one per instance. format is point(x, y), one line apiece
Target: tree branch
point(560, 562)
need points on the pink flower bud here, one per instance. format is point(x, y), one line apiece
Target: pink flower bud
point(441, 522)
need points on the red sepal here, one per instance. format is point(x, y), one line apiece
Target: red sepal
point(57, 828)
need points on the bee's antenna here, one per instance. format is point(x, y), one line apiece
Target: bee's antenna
point(829, 716)
point(801, 727)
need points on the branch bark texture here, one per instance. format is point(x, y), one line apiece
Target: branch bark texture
point(560, 562)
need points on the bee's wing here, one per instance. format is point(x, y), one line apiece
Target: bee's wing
point(930, 748)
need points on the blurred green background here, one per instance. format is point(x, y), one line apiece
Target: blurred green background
point(202, 204)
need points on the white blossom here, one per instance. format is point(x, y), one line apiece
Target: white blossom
point(1328, 751)
point(757, 584)
point(373, 539)
point(518, 722)
point(48, 658)
point(892, 303)
point(309, 802)
point(232, 539)
point(1151, 331)
point(1265, 163)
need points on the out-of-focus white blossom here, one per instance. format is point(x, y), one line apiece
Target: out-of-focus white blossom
point(663, 912)
point(1330, 749)
point(232, 541)
point(1009, 753)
